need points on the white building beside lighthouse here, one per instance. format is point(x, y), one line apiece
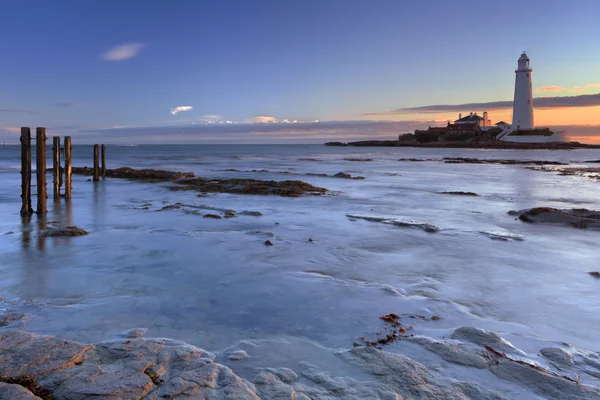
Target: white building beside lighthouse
point(523, 128)
point(523, 101)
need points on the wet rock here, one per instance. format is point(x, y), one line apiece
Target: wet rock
point(251, 213)
point(483, 338)
point(406, 378)
point(558, 356)
point(176, 206)
point(249, 186)
point(460, 193)
point(10, 317)
point(212, 216)
point(359, 159)
point(188, 181)
point(148, 175)
point(595, 274)
point(463, 160)
point(268, 243)
point(390, 221)
point(542, 382)
point(503, 236)
point(130, 369)
point(454, 352)
point(577, 217)
point(237, 355)
point(134, 333)
point(229, 214)
point(347, 176)
point(63, 231)
point(15, 392)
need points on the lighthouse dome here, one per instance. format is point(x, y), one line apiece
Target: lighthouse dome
point(523, 62)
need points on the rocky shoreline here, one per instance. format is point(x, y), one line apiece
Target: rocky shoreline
point(188, 181)
point(132, 367)
point(481, 144)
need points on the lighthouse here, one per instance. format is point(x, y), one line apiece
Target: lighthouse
point(523, 102)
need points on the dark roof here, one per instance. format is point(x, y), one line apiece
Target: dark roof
point(436, 129)
point(464, 127)
point(470, 118)
point(501, 122)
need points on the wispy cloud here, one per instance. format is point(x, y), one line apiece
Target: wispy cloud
point(70, 104)
point(553, 88)
point(262, 119)
point(592, 85)
point(176, 110)
point(8, 110)
point(244, 132)
point(584, 100)
point(578, 89)
point(123, 52)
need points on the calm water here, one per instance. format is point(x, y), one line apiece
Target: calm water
point(213, 283)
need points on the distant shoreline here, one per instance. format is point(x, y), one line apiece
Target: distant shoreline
point(490, 144)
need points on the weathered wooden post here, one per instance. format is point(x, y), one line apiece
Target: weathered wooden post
point(56, 167)
point(40, 166)
point(96, 167)
point(68, 167)
point(104, 161)
point(26, 171)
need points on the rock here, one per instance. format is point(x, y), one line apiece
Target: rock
point(10, 317)
point(483, 338)
point(213, 216)
point(268, 243)
point(463, 160)
point(237, 355)
point(15, 392)
point(251, 213)
point(188, 181)
point(595, 274)
point(461, 193)
point(390, 221)
point(134, 333)
point(130, 369)
point(359, 159)
point(151, 175)
point(577, 217)
point(558, 356)
point(392, 290)
point(454, 352)
point(61, 231)
point(542, 382)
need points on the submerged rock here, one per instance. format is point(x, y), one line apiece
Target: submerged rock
point(576, 217)
point(558, 356)
point(483, 338)
point(461, 193)
point(391, 221)
point(464, 160)
point(63, 231)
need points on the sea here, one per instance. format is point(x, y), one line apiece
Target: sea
point(330, 273)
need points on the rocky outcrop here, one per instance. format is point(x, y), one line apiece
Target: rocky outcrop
point(124, 369)
point(188, 181)
point(153, 369)
point(63, 231)
point(577, 217)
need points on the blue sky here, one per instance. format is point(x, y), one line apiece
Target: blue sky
point(100, 70)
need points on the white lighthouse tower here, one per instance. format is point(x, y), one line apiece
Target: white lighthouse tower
point(523, 102)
